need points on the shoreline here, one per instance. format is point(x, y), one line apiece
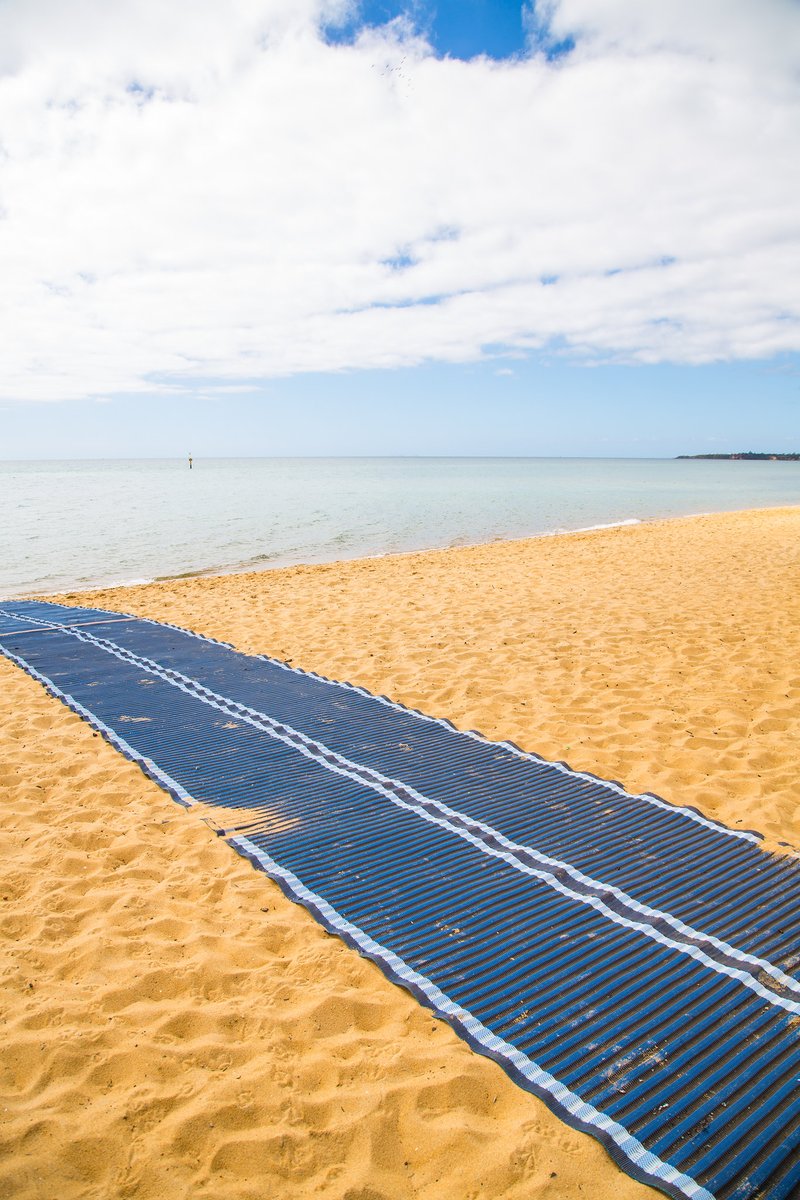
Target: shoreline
point(380, 639)
point(288, 564)
point(176, 1027)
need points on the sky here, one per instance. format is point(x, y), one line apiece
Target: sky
point(465, 227)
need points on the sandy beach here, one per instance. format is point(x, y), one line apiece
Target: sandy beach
point(174, 1027)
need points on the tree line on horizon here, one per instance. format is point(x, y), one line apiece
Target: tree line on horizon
point(750, 454)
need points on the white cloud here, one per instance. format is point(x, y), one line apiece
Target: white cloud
point(198, 191)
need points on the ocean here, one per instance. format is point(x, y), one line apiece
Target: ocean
point(75, 525)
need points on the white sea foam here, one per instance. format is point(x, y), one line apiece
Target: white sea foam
point(608, 525)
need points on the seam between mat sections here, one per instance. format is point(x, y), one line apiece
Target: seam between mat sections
point(50, 625)
point(339, 765)
point(624, 1147)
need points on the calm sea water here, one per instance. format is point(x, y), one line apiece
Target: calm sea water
point(71, 525)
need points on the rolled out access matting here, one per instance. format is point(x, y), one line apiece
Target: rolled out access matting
point(633, 963)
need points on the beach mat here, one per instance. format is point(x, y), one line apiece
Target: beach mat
point(632, 962)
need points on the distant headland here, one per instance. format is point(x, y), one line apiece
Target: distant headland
point(749, 454)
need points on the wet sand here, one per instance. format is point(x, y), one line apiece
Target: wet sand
point(174, 1027)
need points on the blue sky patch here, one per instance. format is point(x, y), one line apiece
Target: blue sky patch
point(139, 92)
point(400, 261)
point(456, 28)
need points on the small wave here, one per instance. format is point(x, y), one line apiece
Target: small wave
point(101, 585)
point(55, 587)
point(180, 575)
point(137, 582)
point(258, 558)
point(607, 525)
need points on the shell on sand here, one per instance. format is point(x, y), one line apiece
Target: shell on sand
point(174, 1027)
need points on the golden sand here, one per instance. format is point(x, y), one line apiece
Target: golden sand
point(174, 1027)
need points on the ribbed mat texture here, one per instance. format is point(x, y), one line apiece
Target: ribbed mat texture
point(634, 963)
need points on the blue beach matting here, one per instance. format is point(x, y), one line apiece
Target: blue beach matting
point(633, 963)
